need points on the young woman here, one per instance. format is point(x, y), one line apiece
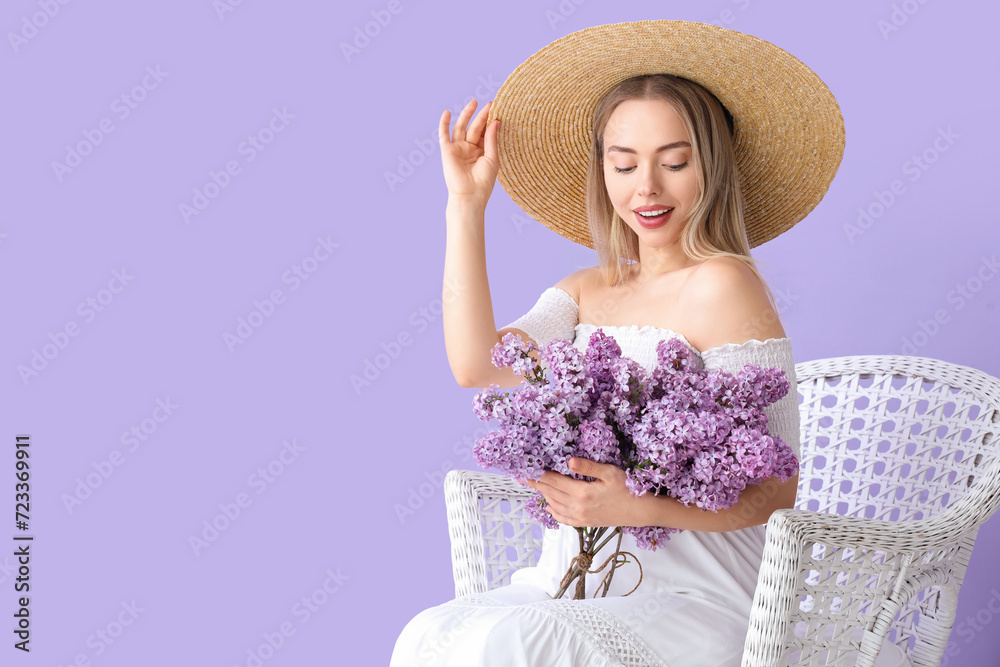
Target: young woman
point(666, 212)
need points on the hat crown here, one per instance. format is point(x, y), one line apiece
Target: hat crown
point(789, 131)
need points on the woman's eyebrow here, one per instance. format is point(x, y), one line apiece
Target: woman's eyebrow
point(665, 147)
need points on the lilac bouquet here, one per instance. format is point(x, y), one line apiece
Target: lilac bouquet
point(696, 435)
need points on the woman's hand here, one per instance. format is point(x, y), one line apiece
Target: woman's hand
point(470, 169)
point(606, 501)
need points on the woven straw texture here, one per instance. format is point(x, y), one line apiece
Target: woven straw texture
point(899, 468)
point(789, 132)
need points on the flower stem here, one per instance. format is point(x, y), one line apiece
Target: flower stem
point(617, 531)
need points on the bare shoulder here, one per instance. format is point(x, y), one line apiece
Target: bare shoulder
point(725, 302)
point(574, 282)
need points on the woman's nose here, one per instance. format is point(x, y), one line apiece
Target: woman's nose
point(648, 184)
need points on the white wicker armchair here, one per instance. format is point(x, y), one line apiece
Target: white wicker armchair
point(898, 470)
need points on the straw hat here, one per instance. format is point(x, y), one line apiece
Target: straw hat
point(788, 135)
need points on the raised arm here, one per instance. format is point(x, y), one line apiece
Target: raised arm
point(554, 315)
point(470, 161)
point(469, 327)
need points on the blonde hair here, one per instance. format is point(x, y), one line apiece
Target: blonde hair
point(715, 227)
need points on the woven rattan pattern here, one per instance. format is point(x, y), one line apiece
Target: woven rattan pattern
point(899, 468)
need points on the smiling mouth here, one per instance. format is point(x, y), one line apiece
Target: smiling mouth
point(653, 221)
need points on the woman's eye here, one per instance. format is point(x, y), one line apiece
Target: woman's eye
point(671, 167)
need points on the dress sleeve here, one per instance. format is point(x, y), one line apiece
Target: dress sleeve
point(554, 315)
point(782, 415)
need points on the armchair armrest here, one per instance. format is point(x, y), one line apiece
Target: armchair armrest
point(491, 535)
point(824, 575)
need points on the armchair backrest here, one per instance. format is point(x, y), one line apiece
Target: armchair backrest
point(894, 437)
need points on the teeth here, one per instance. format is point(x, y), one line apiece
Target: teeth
point(653, 214)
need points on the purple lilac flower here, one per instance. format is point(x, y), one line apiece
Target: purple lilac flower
point(698, 436)
point(650, 537)
point(534, 507)
point(512, 352)
point(599, 441)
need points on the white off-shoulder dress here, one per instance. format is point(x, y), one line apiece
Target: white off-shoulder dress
point(693, 606)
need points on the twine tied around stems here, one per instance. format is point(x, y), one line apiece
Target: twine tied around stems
point(579, 567)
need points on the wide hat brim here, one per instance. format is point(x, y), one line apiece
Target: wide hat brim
point(788, 134)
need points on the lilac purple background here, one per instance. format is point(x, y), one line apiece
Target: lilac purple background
point(365, 452)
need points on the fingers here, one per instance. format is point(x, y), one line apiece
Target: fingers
point(491, 139)
point(555, 501)
point(552, 481)
point(560, 517)
point(443, 126)
point(459, 133)
point(587, 467)
point(550, 486)
point(475, 135)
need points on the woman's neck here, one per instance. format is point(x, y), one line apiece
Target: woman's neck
point(655, 265)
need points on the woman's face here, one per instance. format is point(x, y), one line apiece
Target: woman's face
point(647, 142)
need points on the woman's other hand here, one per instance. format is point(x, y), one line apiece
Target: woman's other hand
point(470, 157)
